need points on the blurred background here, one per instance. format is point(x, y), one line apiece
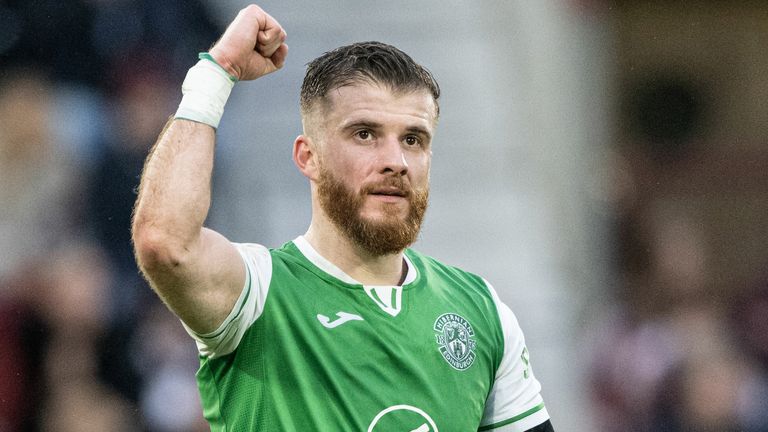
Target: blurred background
point(603, 163)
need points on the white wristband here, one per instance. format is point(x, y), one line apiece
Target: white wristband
point(206, 89)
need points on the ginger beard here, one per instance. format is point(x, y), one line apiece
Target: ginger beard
point(387, 235)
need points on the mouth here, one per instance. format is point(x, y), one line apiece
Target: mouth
point(389, 192)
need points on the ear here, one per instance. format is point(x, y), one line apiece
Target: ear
point(305, 157)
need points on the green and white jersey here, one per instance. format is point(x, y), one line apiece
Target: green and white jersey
point(308, 348)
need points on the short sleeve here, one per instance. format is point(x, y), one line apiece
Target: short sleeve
point(515, 403)
point(247, 309)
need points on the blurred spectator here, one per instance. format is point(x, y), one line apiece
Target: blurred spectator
point(85, 406)
point(39, 199)
point(708, 393)
point(642, 342)
point(72, 305)
point(710, 387)
point(165, 357)
point(143, 99)
point(666, 357)
point(750, 318)
point(19, 360)
point(60, 318)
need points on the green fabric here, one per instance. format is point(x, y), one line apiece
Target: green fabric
point(290, 373)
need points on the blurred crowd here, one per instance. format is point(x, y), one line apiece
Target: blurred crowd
point(85, 87)
point(678, 349)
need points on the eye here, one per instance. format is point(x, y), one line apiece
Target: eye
point(363, 134)
point(412, 140)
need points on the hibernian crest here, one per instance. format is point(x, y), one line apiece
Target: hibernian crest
point(455, 340)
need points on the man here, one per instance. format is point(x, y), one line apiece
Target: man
point(344, 328)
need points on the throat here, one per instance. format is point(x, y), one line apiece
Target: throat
point(380, 278)
point(403, 273)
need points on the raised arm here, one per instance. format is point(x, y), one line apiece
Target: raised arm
point(196, 271)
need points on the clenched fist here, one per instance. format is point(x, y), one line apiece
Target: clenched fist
point(252, 46)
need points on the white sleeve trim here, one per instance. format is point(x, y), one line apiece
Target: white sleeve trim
point(515, 402)
point(248, 307)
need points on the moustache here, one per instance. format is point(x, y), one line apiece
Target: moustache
point(397, 186)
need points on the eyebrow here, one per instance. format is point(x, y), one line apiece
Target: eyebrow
point(419, 131)
point(355, 124)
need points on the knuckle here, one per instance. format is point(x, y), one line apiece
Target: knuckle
point(251, 10)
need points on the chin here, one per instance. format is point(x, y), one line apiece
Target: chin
point(383, 217)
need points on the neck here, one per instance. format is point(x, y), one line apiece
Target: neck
point(351, 259)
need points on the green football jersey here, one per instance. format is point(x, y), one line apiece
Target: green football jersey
point(308, 348)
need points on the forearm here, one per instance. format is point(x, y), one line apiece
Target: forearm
point(198, 272)
point(175, 189)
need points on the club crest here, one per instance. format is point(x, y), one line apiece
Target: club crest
point(455, 340)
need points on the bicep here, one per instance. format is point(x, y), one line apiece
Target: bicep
point(203, 285)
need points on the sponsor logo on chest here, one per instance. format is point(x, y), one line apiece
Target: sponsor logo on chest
point(455, 340)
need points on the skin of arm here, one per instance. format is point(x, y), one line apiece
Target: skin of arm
point(196, 271)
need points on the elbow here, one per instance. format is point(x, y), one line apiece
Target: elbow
point(156, 251)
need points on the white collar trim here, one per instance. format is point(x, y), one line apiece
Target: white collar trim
point(312, 255)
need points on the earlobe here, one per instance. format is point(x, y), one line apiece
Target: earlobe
point(304, 156)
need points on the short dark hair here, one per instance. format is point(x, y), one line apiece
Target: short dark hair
point(364, 61)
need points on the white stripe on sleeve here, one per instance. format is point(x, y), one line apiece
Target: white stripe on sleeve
point(247, 309)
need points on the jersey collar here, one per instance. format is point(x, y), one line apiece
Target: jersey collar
point(323, 264)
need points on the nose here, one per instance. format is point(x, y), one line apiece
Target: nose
point(392, 157)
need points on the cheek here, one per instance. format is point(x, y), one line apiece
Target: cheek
point(353, 173)
point(354, 170)
point(348, 173)
point(419, 169)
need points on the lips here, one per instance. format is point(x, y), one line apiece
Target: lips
point(389, 191)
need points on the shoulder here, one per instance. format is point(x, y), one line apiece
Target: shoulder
point(462, 286)
point(258, 256)
point(251, 249)
point(435, 272)
point(435, 268)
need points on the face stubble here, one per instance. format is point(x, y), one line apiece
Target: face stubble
point(387, 235)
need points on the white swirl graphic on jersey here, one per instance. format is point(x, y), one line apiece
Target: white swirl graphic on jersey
point(455, 340)
point(422, 422)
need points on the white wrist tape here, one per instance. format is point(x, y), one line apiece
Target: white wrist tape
point(206, 89)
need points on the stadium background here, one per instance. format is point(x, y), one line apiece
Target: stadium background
point(602, 163)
